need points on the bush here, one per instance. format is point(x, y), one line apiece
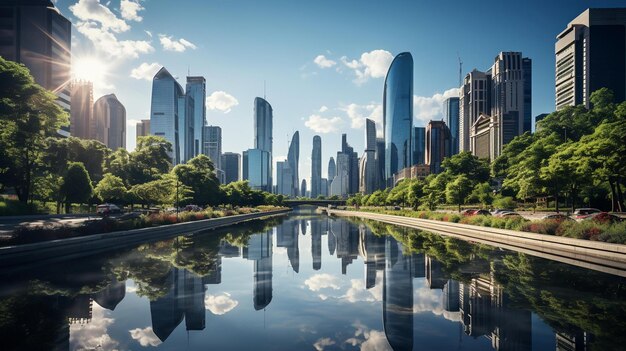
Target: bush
point(548, 226)
point(16, 208)
point(615, 233)
point(504, 202)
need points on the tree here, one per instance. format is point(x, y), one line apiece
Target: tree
point(158, 192)
point(458, 190)
point(149, 161)
point(111, 189)
point(464, 163)
point(28, 115)
point(416, 192)
point(76, 187)
point(198, 174)
point(91, 153)
point(483, 194)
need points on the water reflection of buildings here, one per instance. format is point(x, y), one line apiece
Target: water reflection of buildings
point(346, 242)
point(287, 237)
point(259, 250)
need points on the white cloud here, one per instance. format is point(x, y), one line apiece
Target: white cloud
point(358, 114)
point(357, 292)
point(221, 101)
point(220, 304)
point(373, 64)
point(107, 44)
point(132, 123)
point(93, 334)
point(427, 108)
point(324, 62)
point(323, 125)
point(145, 337)
point(130, 10)
point(322, 281)
point(323, 109)
point(320, 344)
point(145, 70)
point(94, 11)
point(149, 33)
point(179, 45)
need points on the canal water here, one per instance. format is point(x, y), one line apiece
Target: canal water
point(310, 282)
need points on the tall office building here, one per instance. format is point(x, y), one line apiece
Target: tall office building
point(591, 54)
point(527, 69)
point(380, 161)
point(325, 187)
point(352, 165)
point(164, 111)
point(474, 100)
point(110, 120)
point(231, 165)
point(368, 169)
point(398, 115)
point(293, 159)
point(340, 184)
point(256, 169)
point(37, 35)
point(186, 131)
point(437, 144)
point(316, 167)
point(196, 89)
point(419, 145)
point(263, 126)
point(332, 172)
point(451, 117)
point(284, 178)
point(142, 128)
point(81, 114)
point(213, 145)
point(303, 189)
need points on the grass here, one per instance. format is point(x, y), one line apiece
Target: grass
point(588, 230)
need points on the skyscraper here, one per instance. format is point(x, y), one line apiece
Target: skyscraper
point(164, 111)
point(380, 161)
point(527, 69)
point(142, 128)
point(110, 122)
point(451, 117)
point(256, 169)
point(263, 126)
point(186, 132)
point(474, 100)
point(231, 163)
point(419, 145)
point(37, 35)
point(340, 184)
point(437, 144)
point(213, 145)
point(81, 114)
point(332, 172)
point(196, 89)
point(368, 180)
point(352, 170)
point(316, 167)
point(398, 115)
point(293, 157)
point(303, 190)
point(591, 54)
point(284, 178)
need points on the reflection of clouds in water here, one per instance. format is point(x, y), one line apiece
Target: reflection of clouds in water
point(367, 339)
point(322, 281)
point(305, 328)
point(220, 304)
point(145, 336)
point(131, 289)
point(320, 344)
point(427, 300)
point(357, 292)
point(93, 335)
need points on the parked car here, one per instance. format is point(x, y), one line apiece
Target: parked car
point(582, 213)
point(603, 217)
point(194, 208)
point(468, 212)
point(481, 213)
point(499, 211)
point(107, 209)
point(557, 217)
point(508, 214)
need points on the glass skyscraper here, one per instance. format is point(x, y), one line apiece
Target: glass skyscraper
point(196, 89)
point(451, 117)
point(263, 125)
point(419, 145)
point(293, 157)
point(213, 145)
point(316, 167)
point(164, 111)
point(110, 119)
point(231, 162)
point(185, 127)
point(256, 169)
point(398, 115)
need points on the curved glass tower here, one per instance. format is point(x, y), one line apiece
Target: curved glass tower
point(316, 167)
point(293, 158)
point(164, 111)
point(398, 115)
point(263, 120)
point(110, 117)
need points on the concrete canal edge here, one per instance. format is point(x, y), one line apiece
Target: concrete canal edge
point(21, 256)
point(600, 256)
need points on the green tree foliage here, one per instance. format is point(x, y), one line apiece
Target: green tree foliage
point(28, 114)
point(90, 153)
point(464, 163)
point(111, 189)
point(483, 194)
point(156, 192)
point(198, 174)
point(458, 190)
point(240, 194)
point(76, 186)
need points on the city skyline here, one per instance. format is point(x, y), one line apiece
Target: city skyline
point(232, 83)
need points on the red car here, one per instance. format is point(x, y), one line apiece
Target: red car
point(582, 213)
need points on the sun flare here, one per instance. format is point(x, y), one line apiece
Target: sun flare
point(90, 69)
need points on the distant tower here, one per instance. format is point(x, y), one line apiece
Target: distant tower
point(303, 188)
point(263, 128)
point(316, 167)
point(109, 116)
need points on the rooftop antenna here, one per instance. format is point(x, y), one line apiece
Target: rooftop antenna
point(460, 68)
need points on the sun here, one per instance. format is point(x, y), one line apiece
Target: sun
point(89, 68)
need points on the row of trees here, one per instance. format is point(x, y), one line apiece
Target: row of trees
point(577, 155)
point(37, 164)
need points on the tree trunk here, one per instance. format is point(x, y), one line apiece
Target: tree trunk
point(68, 207)
point(614, 204)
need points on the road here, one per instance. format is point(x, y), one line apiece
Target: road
point(8, 224)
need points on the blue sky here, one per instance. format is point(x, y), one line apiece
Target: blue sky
point(323, 61)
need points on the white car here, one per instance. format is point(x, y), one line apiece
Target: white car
point(107, 209)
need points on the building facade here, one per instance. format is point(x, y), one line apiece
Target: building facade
point(451, 117)
point(474, 100)
point(256, 169)
point(368, 169)
point(231, 163)
point(213, 145)
point(419, 145)
point(303, 188)
point(316, 167)
point(110, 122)
point(164, 119)
point(284, 178)
point(82, 124)
point(142, 129)
point(263, 129)
point(483, 135)
point(437, 145)
point(591, 54)
point(196, 90)
point(332, 172)
point(398, 115)
point(186, 131)
point(293, 159)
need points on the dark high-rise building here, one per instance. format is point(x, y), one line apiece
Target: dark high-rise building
point(35, 33)
point(475, 99)
point(82, 124)
point(419, 145)
point(398, 115)
point(352, 165)
point(316, 167)
point(213, 145)
point(437, 144)
point(303, 190)
point(196, 89)
point(591, 54)
point(263, 129)
point(231, 165)
point(109, 116)
point(142, 128)
point(293, 159)
point(256, 169)
point(380, 162)
point(368, 169)
point(398, 297)
point(164, 111)
point(451, 117)
point(527, 69)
